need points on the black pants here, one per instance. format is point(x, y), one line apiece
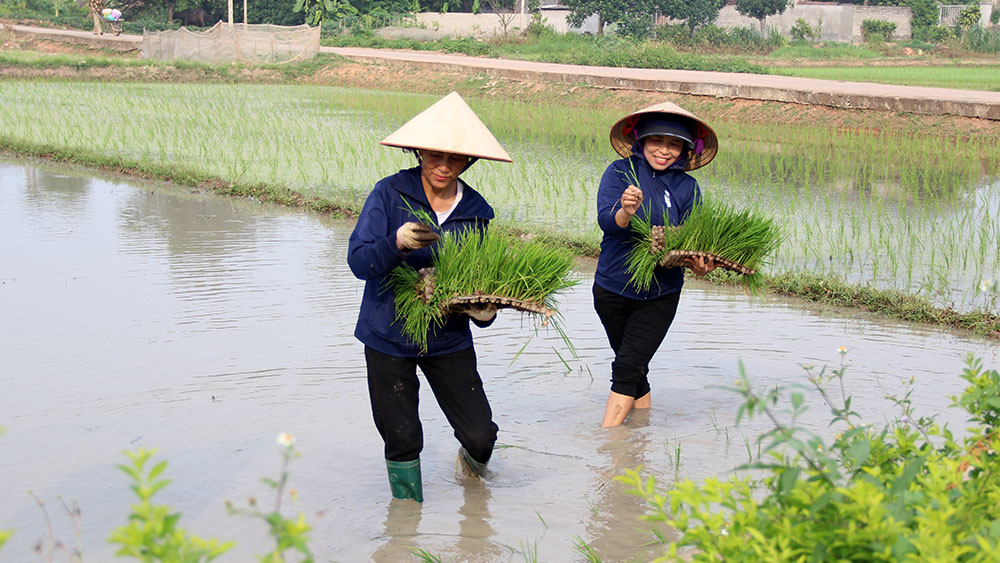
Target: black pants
point(394, 391)
point(635, 330)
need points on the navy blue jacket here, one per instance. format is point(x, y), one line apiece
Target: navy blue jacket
point(658, 187)
point(372, 253)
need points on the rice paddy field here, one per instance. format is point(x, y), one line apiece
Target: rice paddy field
point(913, 213)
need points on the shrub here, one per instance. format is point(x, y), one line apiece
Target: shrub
point(538, 29)
point(152, 533)
point(802, 31)
point(995, 15)
point(908, 491)
point(969, 17)
point(877, 30)
point(981, 40)
point(676, 34)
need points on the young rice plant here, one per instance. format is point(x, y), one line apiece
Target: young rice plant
point(495, 267)
point(741, 240)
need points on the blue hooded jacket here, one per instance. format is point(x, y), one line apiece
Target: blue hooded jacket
point(372, 253)
point(671, 190)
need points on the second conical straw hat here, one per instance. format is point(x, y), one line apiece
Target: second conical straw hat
point(451, 126)
point(622, 136)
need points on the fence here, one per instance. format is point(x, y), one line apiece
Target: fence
point(227, 43)
point(948, 14)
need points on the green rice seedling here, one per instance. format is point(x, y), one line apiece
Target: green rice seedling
point(866, 205)
point(471, 267)
point(740, 241)
point(588, 553)
point(425, 556)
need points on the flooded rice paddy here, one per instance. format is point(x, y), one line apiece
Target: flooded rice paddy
point(914, 212)
point(144, 315)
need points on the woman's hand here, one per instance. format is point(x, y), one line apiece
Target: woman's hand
point(701, 265)
point(481, 312)
point(631, 200)
point(413, 235)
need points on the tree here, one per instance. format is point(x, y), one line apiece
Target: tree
point(760, 9)
point(695, 13)
point(633, 17)
point(504, 10)
point(318, 10)
point(924, 13)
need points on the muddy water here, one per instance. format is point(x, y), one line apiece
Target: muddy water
point(141, 315)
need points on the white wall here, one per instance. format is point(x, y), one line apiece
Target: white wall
point(836, 22)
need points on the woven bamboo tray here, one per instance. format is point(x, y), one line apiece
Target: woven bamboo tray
point(425, 290)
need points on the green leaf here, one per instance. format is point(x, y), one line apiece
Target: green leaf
point(788, 480)
point(157, 470)
point(170, 522)
point(155, 488)
point(131, 471)
point(859, 451)
point(910, 470)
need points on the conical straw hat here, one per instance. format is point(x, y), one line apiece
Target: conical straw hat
point(622, 137)
point(448, 126)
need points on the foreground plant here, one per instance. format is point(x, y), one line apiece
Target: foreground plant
point(152, 533)
point(4, 534)
point(288, 533)
point(472, 267)
point(740, 241)
point(907, 492)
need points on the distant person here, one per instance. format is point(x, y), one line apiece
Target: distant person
point(446, 138)
point(659, 144)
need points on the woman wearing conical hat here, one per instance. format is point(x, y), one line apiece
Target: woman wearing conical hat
point(446, 139)
point(659, 144)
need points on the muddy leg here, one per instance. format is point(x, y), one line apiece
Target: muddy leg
point(617, 409)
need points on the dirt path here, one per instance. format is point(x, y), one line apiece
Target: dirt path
point(848, 95)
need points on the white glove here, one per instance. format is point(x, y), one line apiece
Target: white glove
point(482, 312)
point(413, 235)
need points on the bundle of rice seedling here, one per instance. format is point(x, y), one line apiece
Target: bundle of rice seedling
point(472, 267)
point(736, 240)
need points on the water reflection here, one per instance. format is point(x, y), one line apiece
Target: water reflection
point(616, 526)
point(145, 315)
point(402, 521)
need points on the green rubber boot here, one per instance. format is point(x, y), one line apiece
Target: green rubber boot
point(404, 479)
point(468, 468)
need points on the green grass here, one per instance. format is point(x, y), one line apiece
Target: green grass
point(824, 51)
point(46, 60)
point(969, 77)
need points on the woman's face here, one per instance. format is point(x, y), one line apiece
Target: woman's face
point(661, 150)
point(440, 170)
